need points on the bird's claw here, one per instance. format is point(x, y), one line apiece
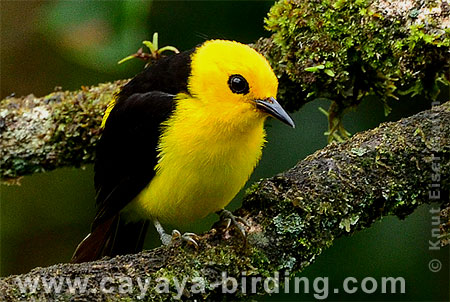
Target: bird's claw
point(167, 239)
point(189, 238)
point(230, 220)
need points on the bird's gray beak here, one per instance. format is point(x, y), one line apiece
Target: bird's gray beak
point(272, 107)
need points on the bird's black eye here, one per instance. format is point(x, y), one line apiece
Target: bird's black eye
point(238, 84)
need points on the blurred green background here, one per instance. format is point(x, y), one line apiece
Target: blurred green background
point(69, 43)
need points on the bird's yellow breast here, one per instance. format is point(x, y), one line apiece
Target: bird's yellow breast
point(205, 158)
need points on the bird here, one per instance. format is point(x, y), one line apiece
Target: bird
point(179, 141)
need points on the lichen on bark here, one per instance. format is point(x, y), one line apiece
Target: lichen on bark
point(338, 49)
point(292, 217)
point(60, 129)
point(344, 50)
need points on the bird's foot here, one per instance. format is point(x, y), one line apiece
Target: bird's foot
point(235, 221)
point(167, 239)
point(189, 238)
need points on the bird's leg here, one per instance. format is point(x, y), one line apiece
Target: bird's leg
point(230, 220)
point(167, 239)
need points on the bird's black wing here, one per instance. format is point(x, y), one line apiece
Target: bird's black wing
point(169, 74)
point(126, 153)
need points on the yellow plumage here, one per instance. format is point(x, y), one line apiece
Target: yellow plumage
point(208, 140)
point(213, 141)
point(110, 107)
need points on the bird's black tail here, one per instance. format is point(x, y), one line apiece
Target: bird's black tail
point(112, 237)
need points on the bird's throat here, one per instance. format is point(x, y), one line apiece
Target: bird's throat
point(201, 168)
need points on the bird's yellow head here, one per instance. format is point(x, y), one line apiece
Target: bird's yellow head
point(232, 79)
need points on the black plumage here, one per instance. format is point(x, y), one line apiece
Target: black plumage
point(126, 155)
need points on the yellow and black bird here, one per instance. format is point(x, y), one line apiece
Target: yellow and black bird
point(179, 142)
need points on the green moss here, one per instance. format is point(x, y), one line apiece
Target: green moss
point(252, 188)
point(65, 127)
point(259, 259)
point(290, 227)
point(344, 50)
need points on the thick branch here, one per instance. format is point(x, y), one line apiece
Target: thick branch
point(292, 217)
point(342, 50)
point(60, 129)
point(345, 50)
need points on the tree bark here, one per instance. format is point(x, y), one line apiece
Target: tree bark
point(380, 48)
point(291, 218)
point(57, 130)
point(342, 50)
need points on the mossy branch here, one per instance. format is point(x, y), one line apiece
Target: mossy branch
point(344, 50)
point(339, 49)
point(57, 130)
point(377, 50)
point(292, 217)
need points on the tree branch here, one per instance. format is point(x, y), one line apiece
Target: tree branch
point(346, 50)
point(295, 215)
point(313, 53)
point(57, 130)
point(292, 217)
